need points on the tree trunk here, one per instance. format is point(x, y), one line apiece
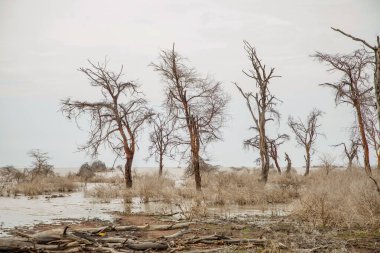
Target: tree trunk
point(349, 166)
point(377, 80)
point(161, 166)
point(367, 166)
point(128, 172)
point(264, 152)
point(289, 165)
point(277, 166)
point(307, 159)
point(197, 173)
point(378, 160)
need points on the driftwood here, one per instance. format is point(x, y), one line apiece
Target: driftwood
point(118, 239)
point(14, 245)
point(146, 245)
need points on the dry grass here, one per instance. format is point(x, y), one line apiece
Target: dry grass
point(244, 188)
point(340, 199)
point(43, 185)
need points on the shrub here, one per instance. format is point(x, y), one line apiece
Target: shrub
point(339, 199)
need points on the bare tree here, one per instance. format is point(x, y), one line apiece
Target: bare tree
point(376, 50)
point(198, 105)
point(273, 145)
point(261, 104)
point(116, 120)
point(350, 150)
point(352, 88)
point(327, 161)
point(162, 139)
point(40, 165)
point(373, 133)
point(289, 163)
point(306, 134)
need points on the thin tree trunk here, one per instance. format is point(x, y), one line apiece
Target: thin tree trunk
point(277, 166)
point(161, 166)
point(307, 159)
point(378, 160)
point(264, 155)
point(377, 80)
point(289, 165)
point(367, 166)
point(349, 166)
point(128, 172)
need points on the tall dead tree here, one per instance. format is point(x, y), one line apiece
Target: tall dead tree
point(261, 104)
point(373, 133)
point(197, 104)
point(376, 50)
point(352, 88)
point(162, 139)
point(115, 120)
point(306, 134)
point(351, 151)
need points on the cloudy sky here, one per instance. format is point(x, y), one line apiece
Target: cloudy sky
point(43, 43)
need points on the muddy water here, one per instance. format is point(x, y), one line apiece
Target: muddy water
point(24, 211)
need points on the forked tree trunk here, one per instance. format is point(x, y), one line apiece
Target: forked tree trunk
point(128, 172)
point(307, 159)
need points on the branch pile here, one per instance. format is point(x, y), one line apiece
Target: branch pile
point(121, 239)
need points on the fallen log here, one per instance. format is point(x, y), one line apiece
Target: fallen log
point(171, 226)
point(14, 244)
point(178, 234)
point(131, 228)
point(146, 245)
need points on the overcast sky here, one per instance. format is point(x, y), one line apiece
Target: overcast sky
point(43, 43)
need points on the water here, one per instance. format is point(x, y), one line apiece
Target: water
point(25, 211)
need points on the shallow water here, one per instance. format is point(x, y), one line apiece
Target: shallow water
point(25, 211)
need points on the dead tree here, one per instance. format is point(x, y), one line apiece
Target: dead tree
point(306, 134)
point(261, 104)
point(352, 88)
point(40, 165)
point(351, 151)
point(376, 50)
point(162, 139)
point(197, 104)
point(273, 145)
point(289, 163)
point(373, 133)
point(116, 120)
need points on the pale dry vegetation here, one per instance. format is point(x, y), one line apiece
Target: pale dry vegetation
point(343, 198)
point(14, 182)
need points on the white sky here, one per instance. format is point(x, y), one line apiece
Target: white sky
point(43, 43)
